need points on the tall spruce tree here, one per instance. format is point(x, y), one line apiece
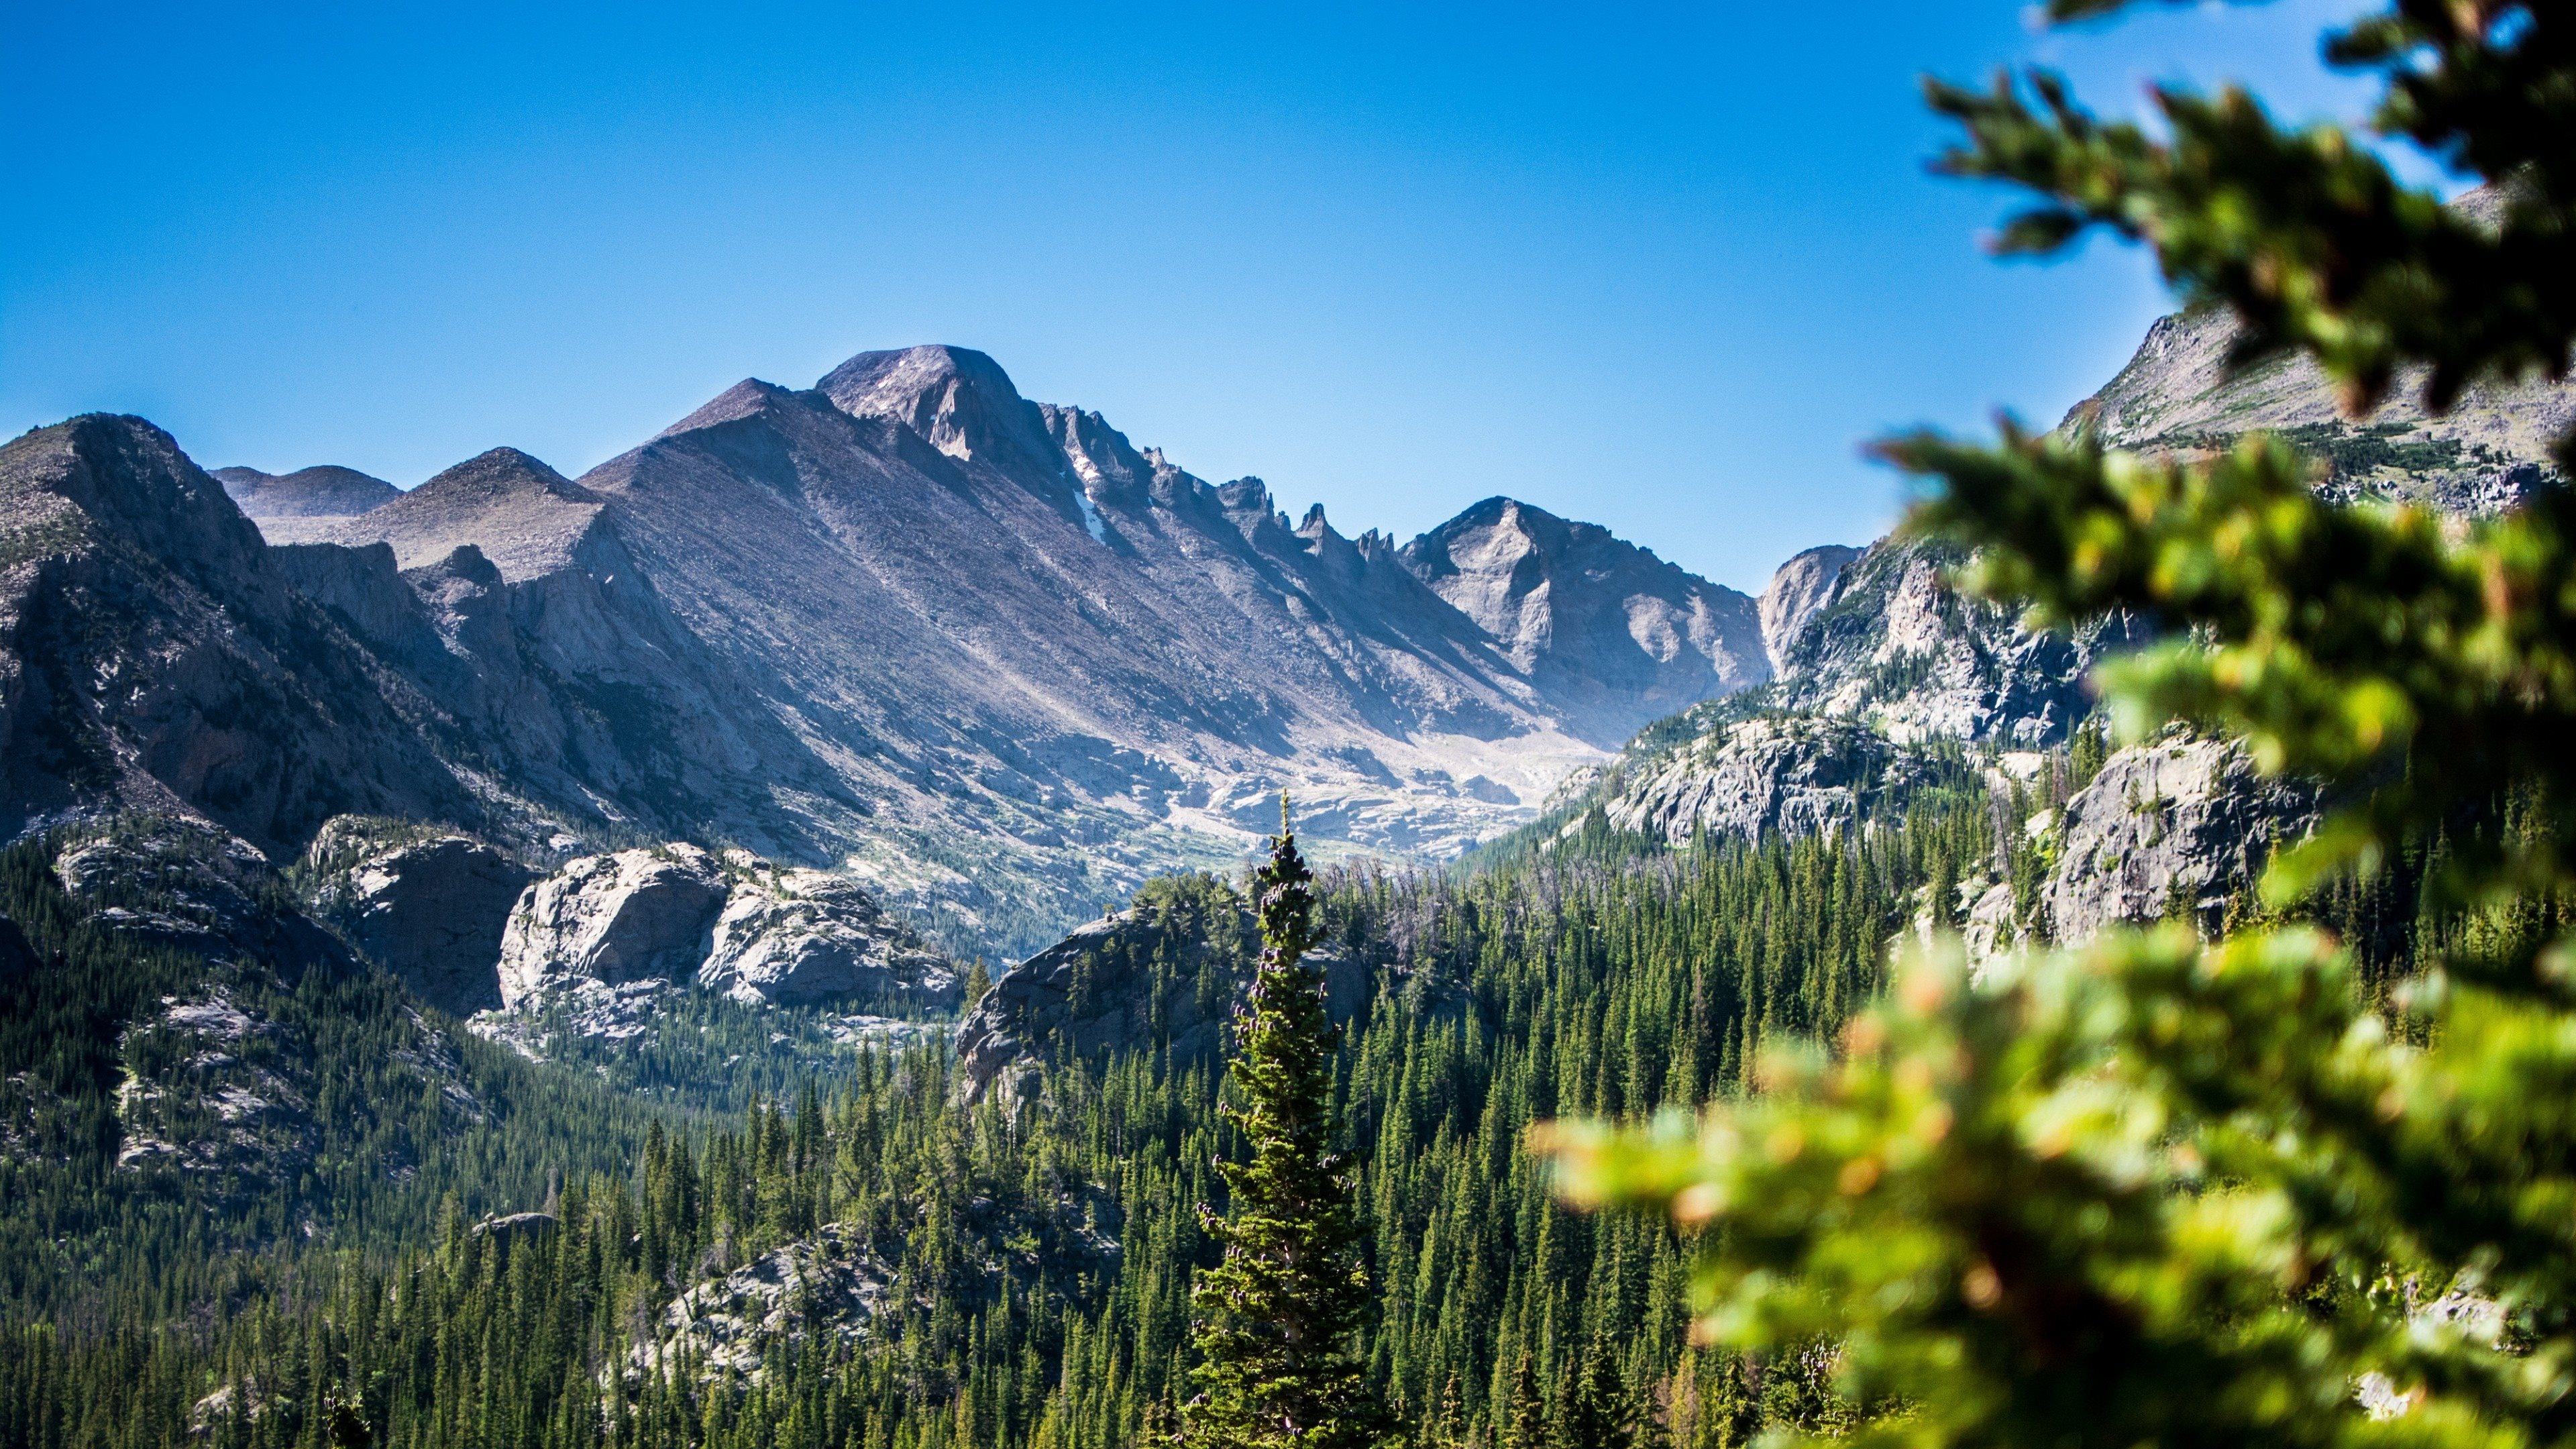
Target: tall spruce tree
point(1275, 1320)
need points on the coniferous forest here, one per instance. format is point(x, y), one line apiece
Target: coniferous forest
point(1037, 1253)
point(1014, 1269)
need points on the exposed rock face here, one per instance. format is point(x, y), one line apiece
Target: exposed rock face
point(2178, 824)
point(1613, 635)
point(1895, 645)
point(1784, 773)
point(1798, 592)
point(301, 506)
point(798, 938)
point(1095, 991)
point(634, 916)
point(431, 908)
point(831, 1283)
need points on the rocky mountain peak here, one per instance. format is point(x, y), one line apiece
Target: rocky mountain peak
point(958, 398)
point(1108, 466)
point(1583, 611)
point(527, 518)
point(747, 398)
point(326, 491)
point(1799, 591)
point(127, 477)
point(500, 473)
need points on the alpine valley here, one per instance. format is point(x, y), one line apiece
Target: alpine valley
point(739, 947)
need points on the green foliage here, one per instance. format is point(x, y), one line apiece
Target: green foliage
point(1276, 1316)
point(2167, 1191)
point(1045, 1249)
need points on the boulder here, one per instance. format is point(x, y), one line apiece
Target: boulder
point(631, 916)
point(795, 938)
point(515, 1225)
point(431, 910)
point(2177, 825)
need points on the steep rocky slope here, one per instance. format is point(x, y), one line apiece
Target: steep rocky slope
point(1888, 641)
point(2485, 454)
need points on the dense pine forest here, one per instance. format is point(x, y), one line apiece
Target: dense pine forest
point(924, 1266)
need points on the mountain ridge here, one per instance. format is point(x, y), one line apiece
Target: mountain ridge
point(985, 651)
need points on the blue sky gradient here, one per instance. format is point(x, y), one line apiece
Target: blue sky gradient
point(1663, 268)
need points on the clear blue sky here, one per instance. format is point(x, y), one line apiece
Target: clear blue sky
point(1657, 267)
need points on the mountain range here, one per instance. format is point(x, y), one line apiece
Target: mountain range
point(981, 650)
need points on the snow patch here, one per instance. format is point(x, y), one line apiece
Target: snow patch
point(1090, 514)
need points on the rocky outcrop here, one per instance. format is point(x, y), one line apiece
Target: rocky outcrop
point(2179, 826)
point(236, 1101)
point(1897, 646)
point(635, 916)
point(1799, 591)
point(429, 907)
point(832, 1283)
point(1165, 973)
point(843, 1284)
point(175, 885)
point(799, 938)
point(516, 1225)
point(1791, 774)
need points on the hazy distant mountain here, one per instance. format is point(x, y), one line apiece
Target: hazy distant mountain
point(1613, 636)
point(297, 507)
point(986, 648)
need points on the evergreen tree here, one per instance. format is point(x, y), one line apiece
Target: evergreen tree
point(1276, 1318)
point(2162, 1191)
